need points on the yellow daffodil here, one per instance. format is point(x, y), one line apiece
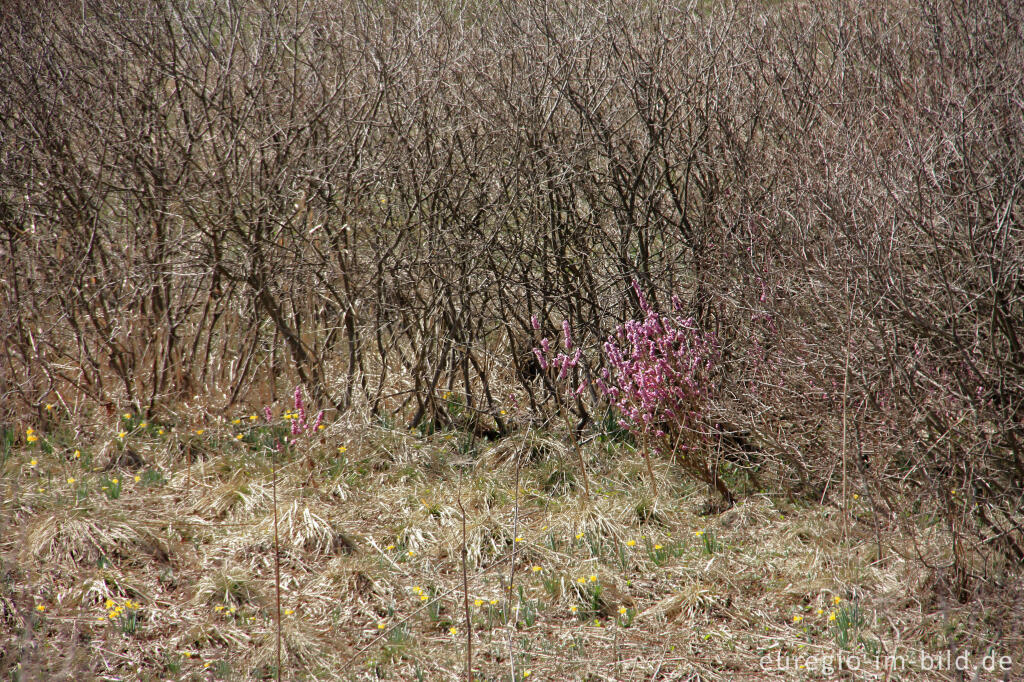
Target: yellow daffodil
point(78, 454)
point(831, 615)
point(71, 481)
point(493, 602)
point(631, 543)
point(454, 630)
point(41, 608)
point(797, 619)
point(122, 434)
point(535, 569)
point(49, 406)
point(33, 463)
point(593, 578)
point(657, 547)
point(32, 439)
point(836, 599)
point(127, 415)
point(199, 432)
point(381, 625)
point(252, 417)
point(288, 612)
point(342, 449)
point(236, 421)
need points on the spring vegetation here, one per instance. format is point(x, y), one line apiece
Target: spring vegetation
point(511, 340)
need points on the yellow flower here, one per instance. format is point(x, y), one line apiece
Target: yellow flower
point(218, 608)
point(238, 437)
point(252, 417)
point(411, 553)
point(543, 527)
point(342, 449)
point(597, 623)
point(288, 612)
point(527, 673)
point(622, 610)
point(503, 412)
point(160, 432)
point(657, 547)
point(519, 539)
point(579, 535)
point(797, 619)
point(390, 547)
point(127, 415)
point(581, 580)
point(42, 490)
point(33, 463)
point(631, 543)
point(78, 454)
point(700, 533)
point(593, 578)
point(109, 604)
point(478, 602)
point(32, 439)
point(71, 481)
point(423, 597)
point(143, 425)
point(186, 654)
point(29, 431)
point(321, 427)
point(856, 496)
point(493, 602)
point(122, 434)
point(199, 432)
point(232, 609)
point(831, 615)
point(114, 481)
point(836, 599)
point(535, 569)
point(573, 609)
point(820, 611)
point(381, 625)
point(49, 406)
point(236, 421)
point(454, 630)
point(41, 608)
point(112, 615)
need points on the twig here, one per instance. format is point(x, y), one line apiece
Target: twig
point(465, 594)
point(277, 558)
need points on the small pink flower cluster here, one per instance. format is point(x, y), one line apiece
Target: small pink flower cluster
point(562, 362)
point(299, 424)
point(658, 373)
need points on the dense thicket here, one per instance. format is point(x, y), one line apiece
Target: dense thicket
point(372, 199)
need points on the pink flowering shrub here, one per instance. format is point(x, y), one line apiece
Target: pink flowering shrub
point(658, 376)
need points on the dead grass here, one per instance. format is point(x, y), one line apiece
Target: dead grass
point(625, 586)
